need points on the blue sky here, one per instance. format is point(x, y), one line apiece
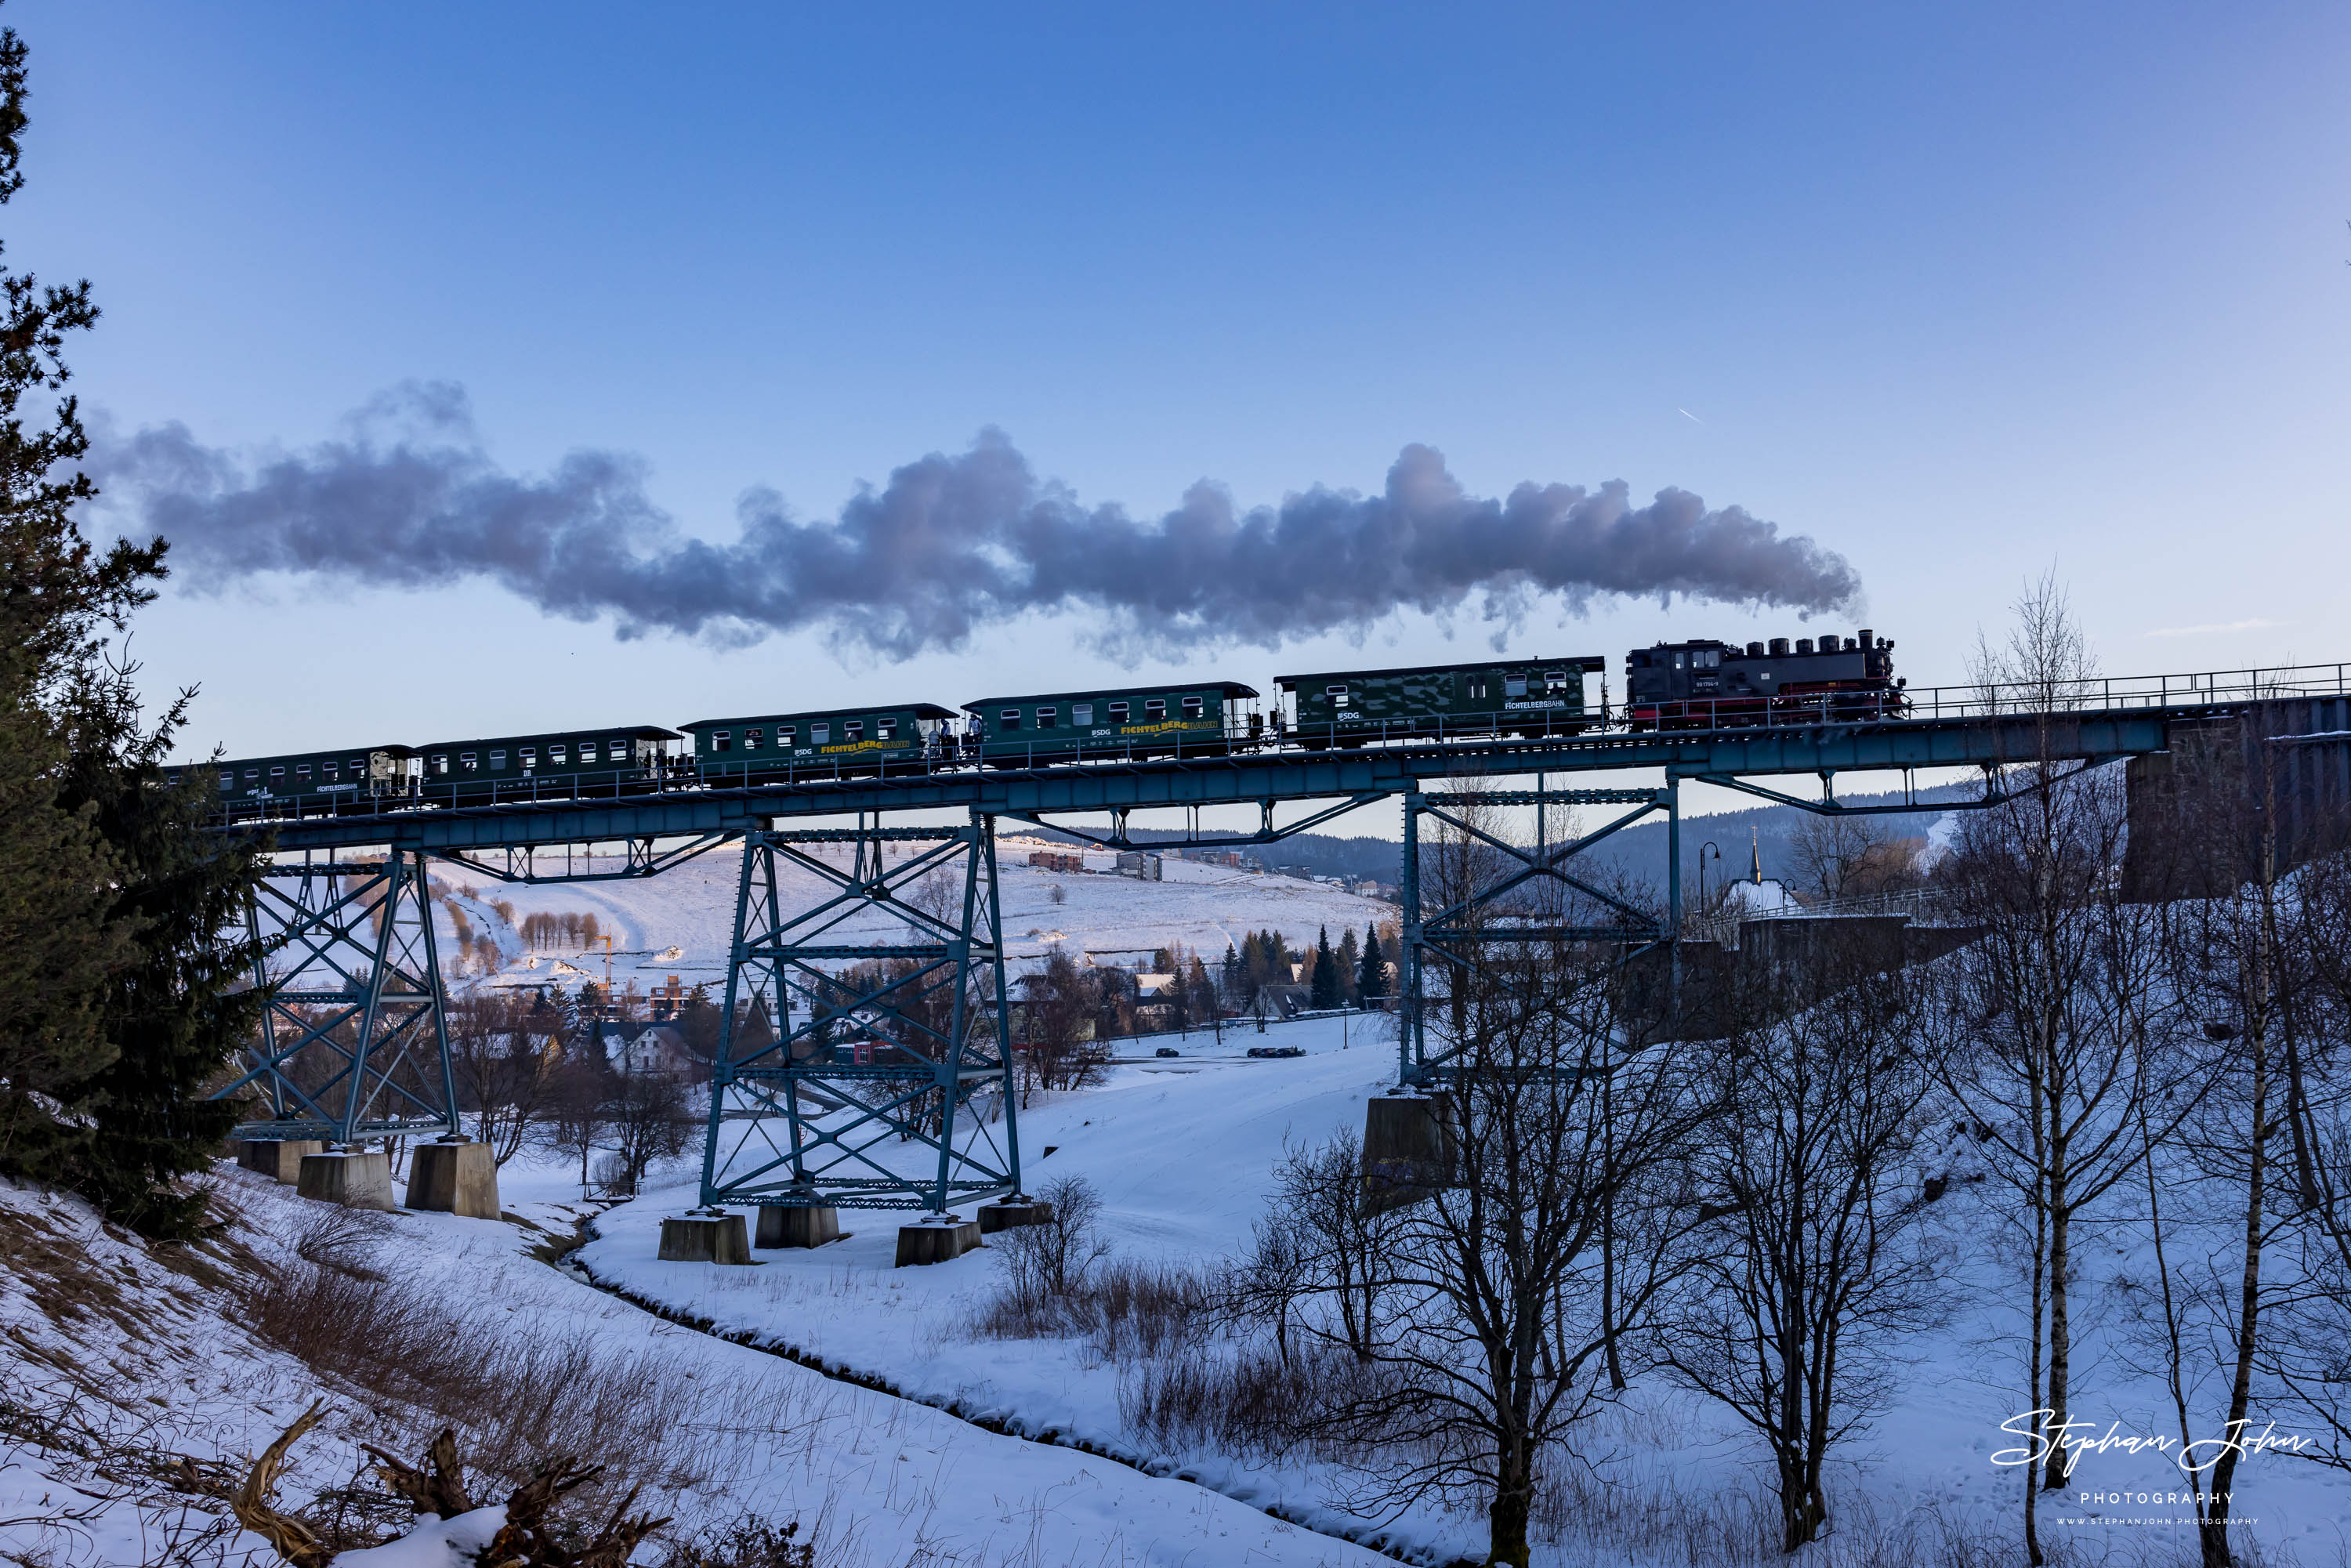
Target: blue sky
point(1961, 293)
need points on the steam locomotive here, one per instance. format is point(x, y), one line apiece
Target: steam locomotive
point(1708, 684)
point(1700, 685)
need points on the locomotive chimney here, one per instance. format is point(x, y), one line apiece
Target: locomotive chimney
point(1754, 650)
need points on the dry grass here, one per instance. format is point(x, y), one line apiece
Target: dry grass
point(515, 1395)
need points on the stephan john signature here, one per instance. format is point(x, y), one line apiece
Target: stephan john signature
point(2046, 1436)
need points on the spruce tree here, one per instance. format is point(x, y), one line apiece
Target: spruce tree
point(115, 985)
point(1323, 975)
point(1372, 979)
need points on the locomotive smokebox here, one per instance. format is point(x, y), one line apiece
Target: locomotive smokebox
point(1779, 647)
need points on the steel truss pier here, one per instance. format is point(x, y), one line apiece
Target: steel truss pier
point(354, 1044)
point(867, 1025)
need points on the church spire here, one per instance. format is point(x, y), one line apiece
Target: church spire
point(1755, 863)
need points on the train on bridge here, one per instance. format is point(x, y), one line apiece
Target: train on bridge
point(1695, 685)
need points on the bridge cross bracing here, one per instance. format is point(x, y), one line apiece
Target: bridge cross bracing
point(793, 1124)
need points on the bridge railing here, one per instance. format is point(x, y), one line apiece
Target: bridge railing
point(956, 754)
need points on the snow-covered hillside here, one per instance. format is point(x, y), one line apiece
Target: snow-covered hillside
point(1182, 1151)
point(680, 922)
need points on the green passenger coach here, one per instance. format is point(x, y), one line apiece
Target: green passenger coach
point(307, 781)
point(759, 747)
point(1204, 718)
point(615, 760)
point(1516, 696)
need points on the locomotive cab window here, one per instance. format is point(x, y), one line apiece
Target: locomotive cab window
point(1012, 718)
point(1082, 714)
point(1194, 707)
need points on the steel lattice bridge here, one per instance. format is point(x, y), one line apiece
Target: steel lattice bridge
point(897, 1092)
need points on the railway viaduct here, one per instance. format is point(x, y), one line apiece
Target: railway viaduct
point(355, 1052)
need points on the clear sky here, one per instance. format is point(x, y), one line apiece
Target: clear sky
point(1959, 292)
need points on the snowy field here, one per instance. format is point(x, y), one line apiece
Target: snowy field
point(883, 1481)
point(1181, 1152)
point(680, 922)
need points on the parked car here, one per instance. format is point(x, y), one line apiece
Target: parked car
point(1268, 1051)
point(1167, 1051)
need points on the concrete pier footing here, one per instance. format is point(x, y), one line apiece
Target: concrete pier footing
point(798, 1225)
point(936, 1239)
point(1409, 1148)
point(453, 1176)
point(356, 1178)
point(704, 1239)
point(279, 1160)
point(1013, 1211)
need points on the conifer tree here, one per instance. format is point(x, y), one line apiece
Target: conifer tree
point(1372, 978)
point(115, 985)
point(1323, 976)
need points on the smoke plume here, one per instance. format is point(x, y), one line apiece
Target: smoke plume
point(407, 497)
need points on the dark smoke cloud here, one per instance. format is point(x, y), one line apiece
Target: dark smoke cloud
point(407, 497)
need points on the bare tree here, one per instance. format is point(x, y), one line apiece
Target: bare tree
point(649, 1119)
point(1493, 1325)
point(1812, 1273)
point(505, 1057)
point(1329, 1238)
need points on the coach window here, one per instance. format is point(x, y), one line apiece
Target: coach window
point(466, 760)
point(1011, 718)
point(885, 730)
point(328, 769)
point(1195, 707)
point(818, 733)
point(251, 773)
point(722, 740)
point(556, 756)
point(228, 779)
point(852, 729)
point(1082, 714)
point(302, 771)
point(498, 759)
point(1514, 683)
point(529, 757)
point(752, 738)
point(784, 733)
point(359, 766)
point(275, 773)
point(1118, 713)
point(441, 763)
point(1154, 710)
point(1045, 717)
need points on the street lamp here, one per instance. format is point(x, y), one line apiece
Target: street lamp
point(1709, 844)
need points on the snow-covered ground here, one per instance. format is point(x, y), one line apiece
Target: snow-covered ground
point(680, 922)
point(1181, 1153)
point(889, 1481)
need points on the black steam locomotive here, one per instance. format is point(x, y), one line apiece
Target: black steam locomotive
point(1708, 684)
